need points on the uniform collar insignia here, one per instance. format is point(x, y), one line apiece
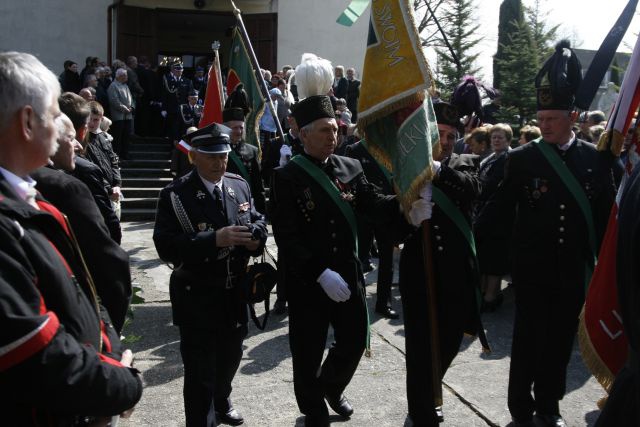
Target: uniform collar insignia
point(200, 195)
point(231, 192)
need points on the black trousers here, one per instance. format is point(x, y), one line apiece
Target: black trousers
point(453, 303)
point(543, 334)
point(310, 314)
point(366, 232)
point(211, 359)
point(121, 130)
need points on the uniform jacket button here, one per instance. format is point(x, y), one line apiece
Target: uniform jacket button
point(438, 237)
point(561, 217)
point(333, 235)
point(335, 249)
point(561, 241)
point(440, 248)
point(561, 206)
point(331, 221)
point(561, 229)
point(188, 287)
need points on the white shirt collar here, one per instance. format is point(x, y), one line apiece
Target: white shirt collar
point(209, 185)
point(567, 145)
point(22, 187)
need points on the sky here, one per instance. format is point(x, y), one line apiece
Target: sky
point(586, 22)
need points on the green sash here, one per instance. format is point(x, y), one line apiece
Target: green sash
point(240, 165)
point(455, 215)
point(574, 187)
point(334, 193)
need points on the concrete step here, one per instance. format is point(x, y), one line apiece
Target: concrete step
point(145, 172)
point(140, 192)
point(146, 163)
point(146, 182)
point(139, 203)
point(138, 215)
point(149, 155)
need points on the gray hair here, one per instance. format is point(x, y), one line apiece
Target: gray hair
point(64, 126)
point(120, 72)
point(24, 80)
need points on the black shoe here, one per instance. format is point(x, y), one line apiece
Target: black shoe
point(551, 420)
point(316, 421)
point(387, 312)
point(340, 405)
point(280, 307)
point(522, 422)
point(231, 417)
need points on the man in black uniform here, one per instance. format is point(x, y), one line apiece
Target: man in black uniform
point(173, 92)
point(244, 158)
point(366, 230)
point(191, 112)
point(554, 202)
point(207, 227)
point(314, 224)
point(455, 186)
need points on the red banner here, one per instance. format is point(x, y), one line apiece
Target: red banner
point(212, 112)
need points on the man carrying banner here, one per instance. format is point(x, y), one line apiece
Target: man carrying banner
point(243, 158)
point(313, 197)
point(554, 203)
point(455, 186)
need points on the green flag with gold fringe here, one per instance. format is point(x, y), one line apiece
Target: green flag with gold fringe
point(395, 111)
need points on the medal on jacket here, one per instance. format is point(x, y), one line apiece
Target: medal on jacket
point(309, 204)
point(202, 226)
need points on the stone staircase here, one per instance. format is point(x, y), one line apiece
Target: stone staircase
point(143, 176)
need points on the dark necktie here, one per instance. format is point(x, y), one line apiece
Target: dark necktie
point(217, 197)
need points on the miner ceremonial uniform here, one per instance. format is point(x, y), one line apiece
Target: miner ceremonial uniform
point(204, 286)
point(456, 279)
point(190, 113)
point(551, 194)
point(315, 229)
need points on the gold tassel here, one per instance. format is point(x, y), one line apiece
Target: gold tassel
point(595, 364)
point(611, 139)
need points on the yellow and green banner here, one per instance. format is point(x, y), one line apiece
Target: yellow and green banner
point(395, 113)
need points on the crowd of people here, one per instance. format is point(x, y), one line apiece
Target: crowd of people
point(496, 207)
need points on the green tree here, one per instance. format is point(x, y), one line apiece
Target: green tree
point(461, 31)
point(519, 66)
point(543, 37)
point(511, 14)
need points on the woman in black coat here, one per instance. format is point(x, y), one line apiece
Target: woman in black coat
point(493, 264)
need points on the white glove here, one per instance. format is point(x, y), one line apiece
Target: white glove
point(285, 151)
point(422, 208)
point(436, 167)
point(334, 285)
point(163, 114)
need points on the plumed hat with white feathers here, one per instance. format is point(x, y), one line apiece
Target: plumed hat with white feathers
point(314, 78)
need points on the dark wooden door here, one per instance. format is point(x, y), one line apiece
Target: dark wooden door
point(135, 32)
point(263, 32)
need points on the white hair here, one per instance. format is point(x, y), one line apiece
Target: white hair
point(24, 80)
point(120, 72)
point(314, 76)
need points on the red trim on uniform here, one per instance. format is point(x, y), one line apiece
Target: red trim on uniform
point(43, 307)
point(48, 207)
point(33, 345)
point(64, 261)
point(110, 361)
point(106, 343)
